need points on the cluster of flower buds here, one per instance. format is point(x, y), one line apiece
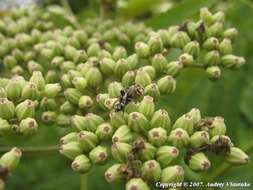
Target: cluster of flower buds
point(103, 79)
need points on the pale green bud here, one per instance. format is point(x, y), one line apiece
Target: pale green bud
point(114, 174)
point(81, 164)
point(72, 95)
point(70, 137)
point(142, 49)
point(147, 106)
point(217, 127)
point(186, 59)
point(180, 39)
point(25, 109)
point(117, 119)
point(87, 140)
point(166, 154)
point(215, 30)
point(114, 89)
point(107, 65)
point(157, 136)
point(199, 138)
point(192, 48)
point(199, 162)
point(212, 58)
point(10, 160)
point(211, 43)
point(100, 98)
point(120, 151)
point(152, 90)
point(30, 91)
point(14, 89)
point(104, 131)
point(172, 174)
point(7, 109)
point(155, 44)
point(28, 126)
point(225, 47)
point(133, 61)
point(232, 61)
point(138, 122)
point(119, 53)
point(52, 90)
point(213, 72)
point(161, 118)
point(71, 150)
point(93, 121)
point(206, 16)
point(179, 137)
point(121, 67)
point(128, 78)
point(85, 102)
point(38, 79)
point(94, 77)
point(185, 122)
point(9, 62)
point(167, 84)
point(123, 134)
point(136, 184)
point(49, 117)
point(34, 66)
point(237, 157)
point(98, 155)
point(3, 93)
point(150, 70)
point(159, 62)
point(230, 33)
point(93, 50)
point(142, 78)
point(63, 120)
point(4, 126)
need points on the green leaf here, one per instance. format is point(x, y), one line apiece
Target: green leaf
point(178, 13)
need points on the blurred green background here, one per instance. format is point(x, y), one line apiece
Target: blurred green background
point(230, 97)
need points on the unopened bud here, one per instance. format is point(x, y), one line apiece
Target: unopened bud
point(25, 109)
point(85, 102)
point(159, 62)
point(119, 53)
point(167, 84)
point(4, 126)
point(161, 119)
point(147, 106)
point(199, 162)
point(128, 78)
point(225, 47)
point(138, 122)
point(70, 137)
point(199, 138)
point(30, 91)
point(28, 126)
point(152, 90)
point(107, 66)
point(142, 78)
point(157, 136)
point(38, 79)
point(172, 174)
point(114, 89)
point(232, 61)
point(52, 90)
point(155, 44)
point(10, 160)
point(120, 151)
point(98, 155)
point(81, 164)
point(217, 127)
point(123, 134)
point(136, 184)
point(7, 109)
point(186, 59)
point(206, 16)
point(211, 43)
point(87, 140)
point(117, 119)
point(192, 48)
point(230, 33)
point(72, 95)
point(94, 77)
point(166, 154)
point(142, 49)
point(14, 89)
point(212, 58)
point(104, 131)
point(185, 122)
point(179, 137)
point(237, 157)
point(114, 174)
point(213, 73)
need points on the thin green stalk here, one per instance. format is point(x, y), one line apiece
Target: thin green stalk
point(33, 150)
point(83, 182)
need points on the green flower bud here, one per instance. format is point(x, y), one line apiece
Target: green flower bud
point(121, 67)
point(166, 154)
point(63, 120)
point(211, 43)
point(66, 81)
point(152, 90)
point(206, 16)
point(80, 83)
point(98, 155)
point(150, 70)
point(81, 36)
point(30, 91)
point(94, 77)
point(34, 66)
point(81, 164)
point(119, 53)
point(192, 48)
point(151, 170)
point(215, 30)
point(48, 104)
point(49, 117)
point(128, 78)
point(7, 109)
point(213, 73)
point(147, 151)
point(9, 62)
point(88, 140)
point(93, 121)
point(52, 90)
point(123, 134)
point(85, 102)
point(147, 106)
point(225, 47)
point(230, 33)
point(186, 59)
point(172, 174)
point(10, 160)
point(117, 119)
point(199, 138)
point(93, 50)
point(79, 122)
point(28, 126)
point(136, 184)
point(180, 39)
point(120, 151)
point(25, 109)
point(232, 61)
point(212, 58)
point(195, 115)
point(57, 61)
point(4, 126)
point(17, 70)
point(219, 17)
point(179, 137)
point(173, 68)
point(237, 157)
point(114, 89)
point(4, 82)
point(138, 122)
point(133, 61)
point(70, 137)
point(100, 98)
point(185, 122)
point(104, 131)
point(161, 119)
point(72, 95)
point(71, 150)
point(142, 78)
point(66, 66)
point(217, 127)
point(38, 79)
point(110, 103)
point(18, 54)
point(159, 62)
point(114, 174)
point(142, 49)
point(3, 93)
point(107, 65)
point(165, 36)
point(167, 84)
point(155, 44)
point(157, 136)
point(199, 162)
point(14, 89)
